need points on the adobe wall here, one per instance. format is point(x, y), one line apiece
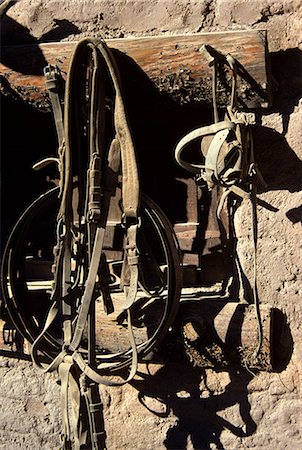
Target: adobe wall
point(198, 409)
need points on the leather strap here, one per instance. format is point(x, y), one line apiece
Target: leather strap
point(52, 75)
point(197, 134)
point(102, 183)
point(231, 140)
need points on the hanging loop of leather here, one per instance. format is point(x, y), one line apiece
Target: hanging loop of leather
point(227, 147)
point(224, 144)
point(122, 143)
point(102, 178)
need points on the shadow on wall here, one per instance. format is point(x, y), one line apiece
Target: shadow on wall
point(12, 33)
point(280, 166)
point(198, 401)
point(286, 67)
point(27, 136)
point(197, 410)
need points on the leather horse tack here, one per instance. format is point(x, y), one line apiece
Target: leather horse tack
point(97, 209)
point(96, 156)
point(229, 163)
point(100, 188)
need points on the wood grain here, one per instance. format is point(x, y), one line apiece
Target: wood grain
point(173, 63)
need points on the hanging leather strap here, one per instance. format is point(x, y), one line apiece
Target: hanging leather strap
point(53, 76)
point(130, 199)
point(102, 182)
point(229, 157)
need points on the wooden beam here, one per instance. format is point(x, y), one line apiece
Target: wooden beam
point(173, 63)
point(214, 333)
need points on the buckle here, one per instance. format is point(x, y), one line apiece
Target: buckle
point(52, 74)
point(60, 230)
point(128, 221)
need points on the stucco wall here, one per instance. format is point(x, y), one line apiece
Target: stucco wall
point(198, 409)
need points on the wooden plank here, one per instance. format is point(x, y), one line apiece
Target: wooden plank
point(215, 333)
point(173, 63)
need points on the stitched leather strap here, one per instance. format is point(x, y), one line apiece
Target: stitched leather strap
point(101, 186)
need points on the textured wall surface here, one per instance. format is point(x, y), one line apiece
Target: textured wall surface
point(197, 409)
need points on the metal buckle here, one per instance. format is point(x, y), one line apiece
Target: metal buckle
point(51, 74)
point(127, 222)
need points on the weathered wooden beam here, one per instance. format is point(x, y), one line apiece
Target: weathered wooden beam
point(173, 63)
point(218, 333)
point(215, 333)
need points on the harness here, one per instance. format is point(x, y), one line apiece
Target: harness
point(229, 164)
point(100, 186)
point(96, 158)
point(226, 145)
